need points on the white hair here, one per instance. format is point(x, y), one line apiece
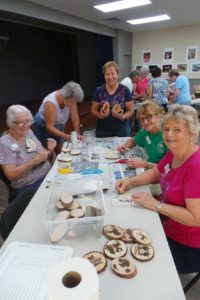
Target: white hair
point(14, 111)
point(144, 69)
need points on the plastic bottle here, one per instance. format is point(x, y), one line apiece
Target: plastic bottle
point(74, 140)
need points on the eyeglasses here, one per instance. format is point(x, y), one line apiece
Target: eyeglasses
point(21, 124)
point(147, 118)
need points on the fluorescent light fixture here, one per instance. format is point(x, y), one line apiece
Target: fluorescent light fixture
point(149, 20)
point(118, 5)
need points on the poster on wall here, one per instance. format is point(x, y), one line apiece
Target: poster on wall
point(146, 56)
point(166, 68)
point(182, 67)
point(195, 67)
point(168, 55)
point(191, 53)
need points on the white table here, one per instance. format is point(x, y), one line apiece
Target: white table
point(156, 279)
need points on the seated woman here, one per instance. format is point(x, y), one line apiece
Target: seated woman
point(54, 113)
point(112, 104)
point(178, 173)
point(149, 137)
point(22, 158)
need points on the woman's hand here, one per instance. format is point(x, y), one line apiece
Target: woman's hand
point(41, 156)
point(51, 144)
point(121, 149)
point(136, 163)
point(119, 116)
point(145, 199)
point(102, 114)
point(123, 185)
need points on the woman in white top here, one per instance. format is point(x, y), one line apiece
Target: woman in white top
point(54, 112)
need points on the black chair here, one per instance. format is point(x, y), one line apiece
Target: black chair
point(14, 210)
point(190, 284)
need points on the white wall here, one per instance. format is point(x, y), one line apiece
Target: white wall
point(155, 41)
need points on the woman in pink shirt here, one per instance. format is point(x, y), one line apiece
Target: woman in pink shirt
point(141, 85)
point(178, 173)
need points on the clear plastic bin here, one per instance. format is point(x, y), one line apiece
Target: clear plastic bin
point(88, 193)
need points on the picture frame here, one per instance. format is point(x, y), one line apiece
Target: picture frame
point(182, 67)
point(195, 67)
point(151, 67)
point(168, 55)
point(166, 68)
point(191, 53)
point(146, 56)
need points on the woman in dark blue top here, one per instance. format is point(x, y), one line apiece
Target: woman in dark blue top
point(111, 121)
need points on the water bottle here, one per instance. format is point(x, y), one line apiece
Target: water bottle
point(74, 140)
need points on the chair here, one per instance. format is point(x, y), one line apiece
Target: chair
point(14, 210)
point(190, 284)
point(7, 184)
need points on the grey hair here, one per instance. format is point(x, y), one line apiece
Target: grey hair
point(72, 90)
point(134, 73)
point(14, 111)
point(186, 114)
point(144, 69)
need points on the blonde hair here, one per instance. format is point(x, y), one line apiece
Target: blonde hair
point(110, 64)
point(150, 107)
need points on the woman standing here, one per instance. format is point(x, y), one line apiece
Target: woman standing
point(112, 104)
point(182, 88)
point(178, 173)
point(55, 111)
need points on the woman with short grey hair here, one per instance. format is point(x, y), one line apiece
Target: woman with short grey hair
point(55, 111)
point(14, 111)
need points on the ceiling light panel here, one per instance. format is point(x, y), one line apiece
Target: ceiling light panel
point(149, 20)
point(119, 5)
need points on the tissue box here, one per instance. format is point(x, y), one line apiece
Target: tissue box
point(88, 193)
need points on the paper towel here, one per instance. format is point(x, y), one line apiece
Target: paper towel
point(73, 279)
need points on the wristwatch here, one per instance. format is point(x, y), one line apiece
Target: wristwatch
point(159, 206)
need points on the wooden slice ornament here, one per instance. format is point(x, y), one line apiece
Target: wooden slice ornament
point(140, 236)
point(66, 199)
point(123, 267)
point(97, 259)
point(62, 215)
point(106, 107)
point(113, 232)
point(117, 109)
point(142, 252)
point(77, 213)
point(114, 249)
point(127, 237)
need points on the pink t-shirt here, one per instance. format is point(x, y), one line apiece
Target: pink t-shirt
point(141, 86)
point(177, 185)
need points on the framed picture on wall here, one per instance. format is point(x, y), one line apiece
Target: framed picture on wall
point(166, 68)
point(146, 56)
point(151, 67)
point(182, 67)
point(168, 55)
point(191, 53)
point(195, 66)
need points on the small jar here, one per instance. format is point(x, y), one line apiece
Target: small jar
point(74, 140)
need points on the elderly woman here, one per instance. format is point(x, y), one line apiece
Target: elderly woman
point(112, 104)
point(149, 137)
point(55, 111)
point(142, 85)
point(22, 158)
point(178, 173)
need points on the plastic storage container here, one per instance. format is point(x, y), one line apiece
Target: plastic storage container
point(88, 193)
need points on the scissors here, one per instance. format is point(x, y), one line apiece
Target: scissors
point(120, 161)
